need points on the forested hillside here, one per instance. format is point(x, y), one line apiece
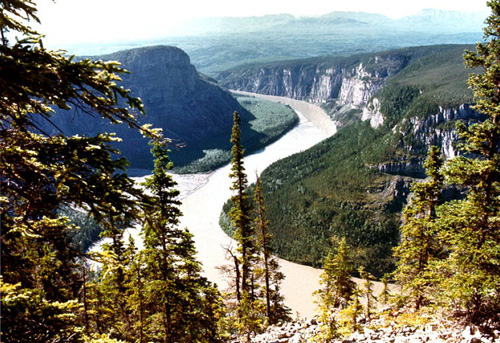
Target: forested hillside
point(355, 184)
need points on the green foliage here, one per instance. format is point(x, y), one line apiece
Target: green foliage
point(384, 293)
point(88, 231)
point(335, 292)
point(367, 291)
point(471, 227)
point(256, 277)
point(418, 246)
point(396, 101)
point(247, 321)
point(27, 315)
point(322, 192)
point(276, 311)
point(466, 279)
point(348, 318)
point(335, 188)
point(42, 174)
point(270, 122)
point(184, 306)
point(49, 292)
point(272, 119)
point(337, 286)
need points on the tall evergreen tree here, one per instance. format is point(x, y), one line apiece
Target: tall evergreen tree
point(275, 309)
point(471, 226)
point(42, 173)
point(177, 294)
point(262, 228)
point(240, 215)
point(419, 245)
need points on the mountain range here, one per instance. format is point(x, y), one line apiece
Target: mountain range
point(216, 44)
point(425, 20)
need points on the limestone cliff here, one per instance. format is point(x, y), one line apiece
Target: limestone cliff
point(419, 134)
point(347, 81)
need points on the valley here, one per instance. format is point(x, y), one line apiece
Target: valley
point(202, 216)
point(390, 107)
point(212, 185)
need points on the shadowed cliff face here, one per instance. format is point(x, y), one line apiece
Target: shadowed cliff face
point(194, 112)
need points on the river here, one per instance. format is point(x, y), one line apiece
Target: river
point(203, 205)
point(203, 196)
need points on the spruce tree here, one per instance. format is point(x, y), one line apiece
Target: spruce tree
point(336, 282)
point(244, 233)
point(42, 174)
point(471, 227)
point(419, 245)
point(367, 291)
point(176, 293)
point(275, 309)
point(336, 289)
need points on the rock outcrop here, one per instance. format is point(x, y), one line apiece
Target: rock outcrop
point(372, 113)
point(419, 134)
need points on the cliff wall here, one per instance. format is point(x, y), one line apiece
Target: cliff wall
point(193, 111)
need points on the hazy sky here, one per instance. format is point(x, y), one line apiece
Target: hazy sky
point(102, 20)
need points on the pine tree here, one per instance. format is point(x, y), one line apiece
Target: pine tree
point(337, 289)
point(419, 245)
point(336, 282)
point(351, 313)
point(384, 294)
point(262, 228)
point(367, 291)
point(176, 294)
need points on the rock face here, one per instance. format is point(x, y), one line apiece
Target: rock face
point(192, 110)
point(372, 113)
point(437, 129)
point(432, 130)
point(349, 81)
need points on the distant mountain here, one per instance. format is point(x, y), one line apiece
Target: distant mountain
point(226, 25)
point(216, 44)
point(451, 21)
point(371, 18)
point(448, 21)
point(191, 110)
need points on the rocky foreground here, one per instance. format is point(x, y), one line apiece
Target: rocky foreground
point(378, 330)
